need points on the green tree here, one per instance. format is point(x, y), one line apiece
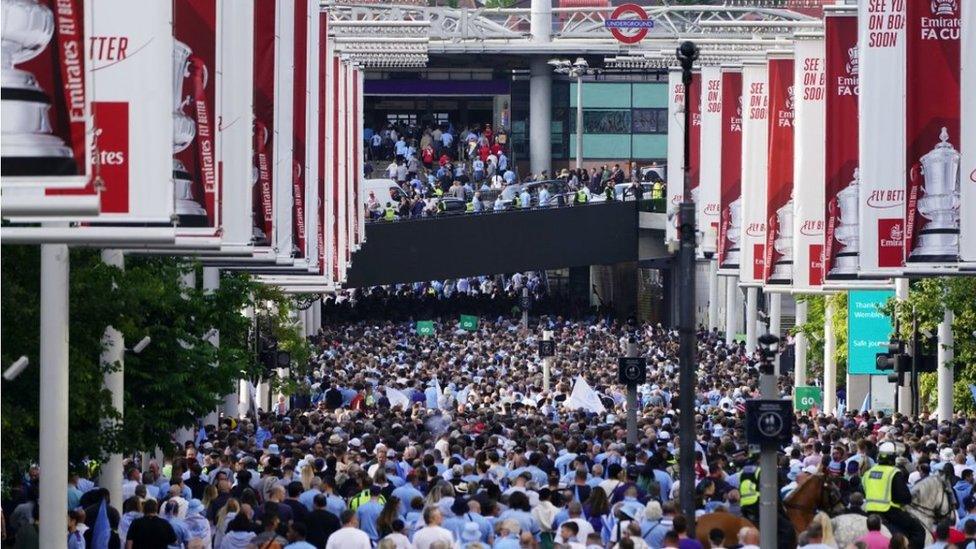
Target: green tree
point(813, 329)
point(928, 299)
point(179, 377)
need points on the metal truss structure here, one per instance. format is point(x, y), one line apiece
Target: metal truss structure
point(578, 30)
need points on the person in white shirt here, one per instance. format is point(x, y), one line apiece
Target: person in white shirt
point(433, 532)
point(349, 536)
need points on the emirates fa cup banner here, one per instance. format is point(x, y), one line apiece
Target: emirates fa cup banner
point(808, 163)
point(265, 16)
point(707, 202)
point(358, 109)
point(236, 141)
point(46, 94)
point(282, 178)
point(299, 127)
point(881, 138)
point(841, 238)
point(676, 152)
point(967, 192)
point(932, 134)
point(195, 163)
point(138, 69)
point(312, 202)
point(325, 202)
point(755, 130)
point(778, 263)
point(730, 192)
point(694, 165)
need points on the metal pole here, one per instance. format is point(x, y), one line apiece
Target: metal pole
point(211, 283)
point(731, 289)
point(686, 312)
point(903, 392)
point(945, 372)
point(53, 420)
point(113, 352)
point(916, 358)
point(768, 496)
point(525, 307)
point(775, 323)
point(801, 346)
point(713, 315)
point(752, 315)
point(316, 316)
point(830, 361)
point(579, 121)
point(546, 363)
point(632, 397)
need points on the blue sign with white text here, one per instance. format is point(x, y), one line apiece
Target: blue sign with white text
point(868, 330)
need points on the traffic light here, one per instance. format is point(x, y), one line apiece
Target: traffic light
point(895, 359)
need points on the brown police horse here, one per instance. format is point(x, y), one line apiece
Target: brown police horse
point(815, 494)
point(726, 522)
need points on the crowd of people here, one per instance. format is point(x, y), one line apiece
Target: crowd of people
point(490, 296)
point(472, 166)
point(468, 438)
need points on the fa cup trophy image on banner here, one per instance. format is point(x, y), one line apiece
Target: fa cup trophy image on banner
point(783, 244)
point(938, 238)
point(843, 216)
point(29, 146)
point(733, 233)
point(189, 211)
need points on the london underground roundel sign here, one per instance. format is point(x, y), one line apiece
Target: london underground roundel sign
point(632, 29)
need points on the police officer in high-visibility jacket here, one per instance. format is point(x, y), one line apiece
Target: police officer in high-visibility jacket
point(389, 214)
point(581, 197)
point(749, 493)
point(886, 493)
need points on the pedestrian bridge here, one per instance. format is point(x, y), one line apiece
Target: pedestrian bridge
point(442, 247)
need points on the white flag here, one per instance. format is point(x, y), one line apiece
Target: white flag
point(583, 396)
point(397, 398)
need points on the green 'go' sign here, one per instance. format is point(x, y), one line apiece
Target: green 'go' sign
point(806, 397)
point(425, 327)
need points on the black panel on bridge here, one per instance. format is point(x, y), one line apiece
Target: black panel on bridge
point(492, 243)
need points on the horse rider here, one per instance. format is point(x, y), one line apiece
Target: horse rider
point(886, 493)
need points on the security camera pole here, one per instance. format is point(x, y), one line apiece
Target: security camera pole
point(687, 53)
point(768, 496)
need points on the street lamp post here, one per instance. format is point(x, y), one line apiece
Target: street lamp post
point(687, 53)
point(577, 69)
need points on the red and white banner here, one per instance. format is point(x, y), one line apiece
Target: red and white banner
point(236, 137)
point(313, 145)
point(47, 125)
point(283, 176)
point(195, 162)
point(755, 130)
point(359, 106)
point(133, 54)
point(808, 163)
point(694, 165)
point(778, 262)
point(707, 201)
point(265, 16)
point(841, 154)
point(881, 137)
point(967, 191)
point(730, 191)
point(299, 126)
point(676, 152)
point(339, 172)
point(932, 134)
point(326, 233)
